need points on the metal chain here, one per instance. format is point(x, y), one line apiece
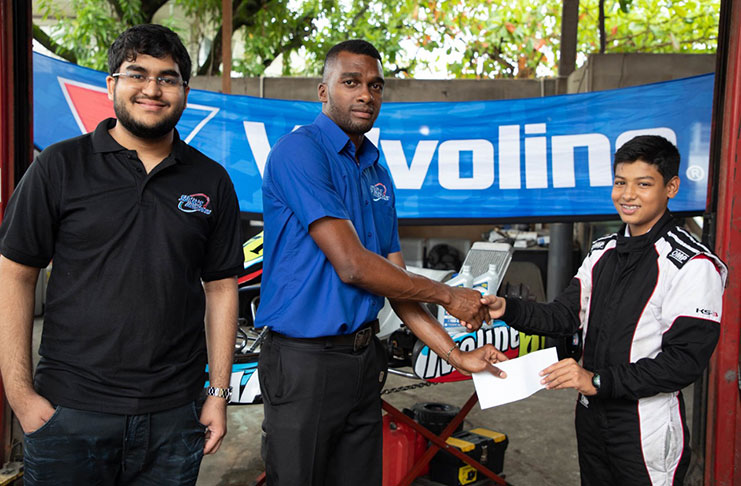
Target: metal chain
point(389, 391)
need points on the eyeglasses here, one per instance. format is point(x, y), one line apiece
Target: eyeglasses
point(139, 80)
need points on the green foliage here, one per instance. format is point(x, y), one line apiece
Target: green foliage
point(487, 38)
point(93, 28)
point(679, 26)
point(472, 38)
point(521, 38)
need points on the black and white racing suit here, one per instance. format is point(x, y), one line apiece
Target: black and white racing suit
point(649, 309)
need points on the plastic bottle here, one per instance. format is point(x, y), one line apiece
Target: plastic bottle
point(485, 282)
point(451, 324)
point(463, 279)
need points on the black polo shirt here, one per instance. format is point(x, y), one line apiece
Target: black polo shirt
point(123, 329)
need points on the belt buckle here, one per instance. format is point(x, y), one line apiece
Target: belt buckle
point(362, 339)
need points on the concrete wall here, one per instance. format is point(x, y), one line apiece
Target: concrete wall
point(602, 71)
point(610, 71)
point(396, 89)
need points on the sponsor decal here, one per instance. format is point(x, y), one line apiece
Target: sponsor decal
point(378, 192)
point(194, 203)
point(678, 255)
point(244, 383)
point(706, 312)
point(429, 366)
point(599, 245)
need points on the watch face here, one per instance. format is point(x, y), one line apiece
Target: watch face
point(596, 381)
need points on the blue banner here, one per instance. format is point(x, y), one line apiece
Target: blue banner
point(527, 158)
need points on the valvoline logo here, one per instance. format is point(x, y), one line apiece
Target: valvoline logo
point(194, 203)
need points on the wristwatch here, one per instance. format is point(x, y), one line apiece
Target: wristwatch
point(225, 393)
point(596, 381)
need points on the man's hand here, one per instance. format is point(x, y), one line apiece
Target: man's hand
point(213, 416)
point(33, 411)
point(495, 305)
point(465, 304)
point(567, 373)
point(480, 359)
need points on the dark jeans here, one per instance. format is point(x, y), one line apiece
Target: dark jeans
point(322, 413)
point(78, 448)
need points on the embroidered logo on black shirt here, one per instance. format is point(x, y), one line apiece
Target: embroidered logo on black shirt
point(194, 203)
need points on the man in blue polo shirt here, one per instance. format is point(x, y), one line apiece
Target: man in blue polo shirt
point(331, 256)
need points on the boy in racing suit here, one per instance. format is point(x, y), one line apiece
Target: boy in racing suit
point(648, 303)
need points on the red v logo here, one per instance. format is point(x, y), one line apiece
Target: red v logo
point(90, 105)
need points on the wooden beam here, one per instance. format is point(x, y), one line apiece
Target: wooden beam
point(569, 29)
point(226, 46)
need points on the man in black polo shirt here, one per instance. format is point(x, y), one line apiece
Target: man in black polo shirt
point(144, 234)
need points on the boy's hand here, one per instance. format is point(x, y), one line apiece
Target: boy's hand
point(465, 305)
point(567, 373)
point(496, 305)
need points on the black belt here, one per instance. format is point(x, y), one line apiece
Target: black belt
point(360, 339)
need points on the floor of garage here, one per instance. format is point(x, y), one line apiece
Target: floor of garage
point(542, 444)
point(541, 450)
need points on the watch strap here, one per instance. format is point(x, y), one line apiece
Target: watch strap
point(225, 393)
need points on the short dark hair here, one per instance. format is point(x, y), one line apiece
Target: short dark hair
point(355, 46)
point(651, 149)
point(150, 39)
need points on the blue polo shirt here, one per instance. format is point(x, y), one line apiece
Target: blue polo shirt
point(312, 173)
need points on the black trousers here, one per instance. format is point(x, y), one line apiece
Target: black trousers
point(322, 412)
point(76, 448)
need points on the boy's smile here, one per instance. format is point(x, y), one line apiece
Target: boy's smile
point(640, 195)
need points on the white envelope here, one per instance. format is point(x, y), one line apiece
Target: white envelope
point(522, 380)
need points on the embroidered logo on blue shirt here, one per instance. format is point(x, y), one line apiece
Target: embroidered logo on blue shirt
point(378, 191)
point(194, 203)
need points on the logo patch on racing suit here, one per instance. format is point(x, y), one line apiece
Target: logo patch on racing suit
point(706, 312)
point(678, 255)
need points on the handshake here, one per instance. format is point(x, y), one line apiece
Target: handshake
point(473, 309)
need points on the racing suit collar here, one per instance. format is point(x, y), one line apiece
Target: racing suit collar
point(629, 244)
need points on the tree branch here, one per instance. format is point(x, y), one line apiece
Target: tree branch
point(296, 40)
point(242, 13)
point(49, 43)
point(116, 6)
point(150, 7)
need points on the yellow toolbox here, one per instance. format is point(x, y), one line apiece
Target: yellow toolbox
point(483, 445)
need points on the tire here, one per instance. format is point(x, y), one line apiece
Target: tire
point(435, 416)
